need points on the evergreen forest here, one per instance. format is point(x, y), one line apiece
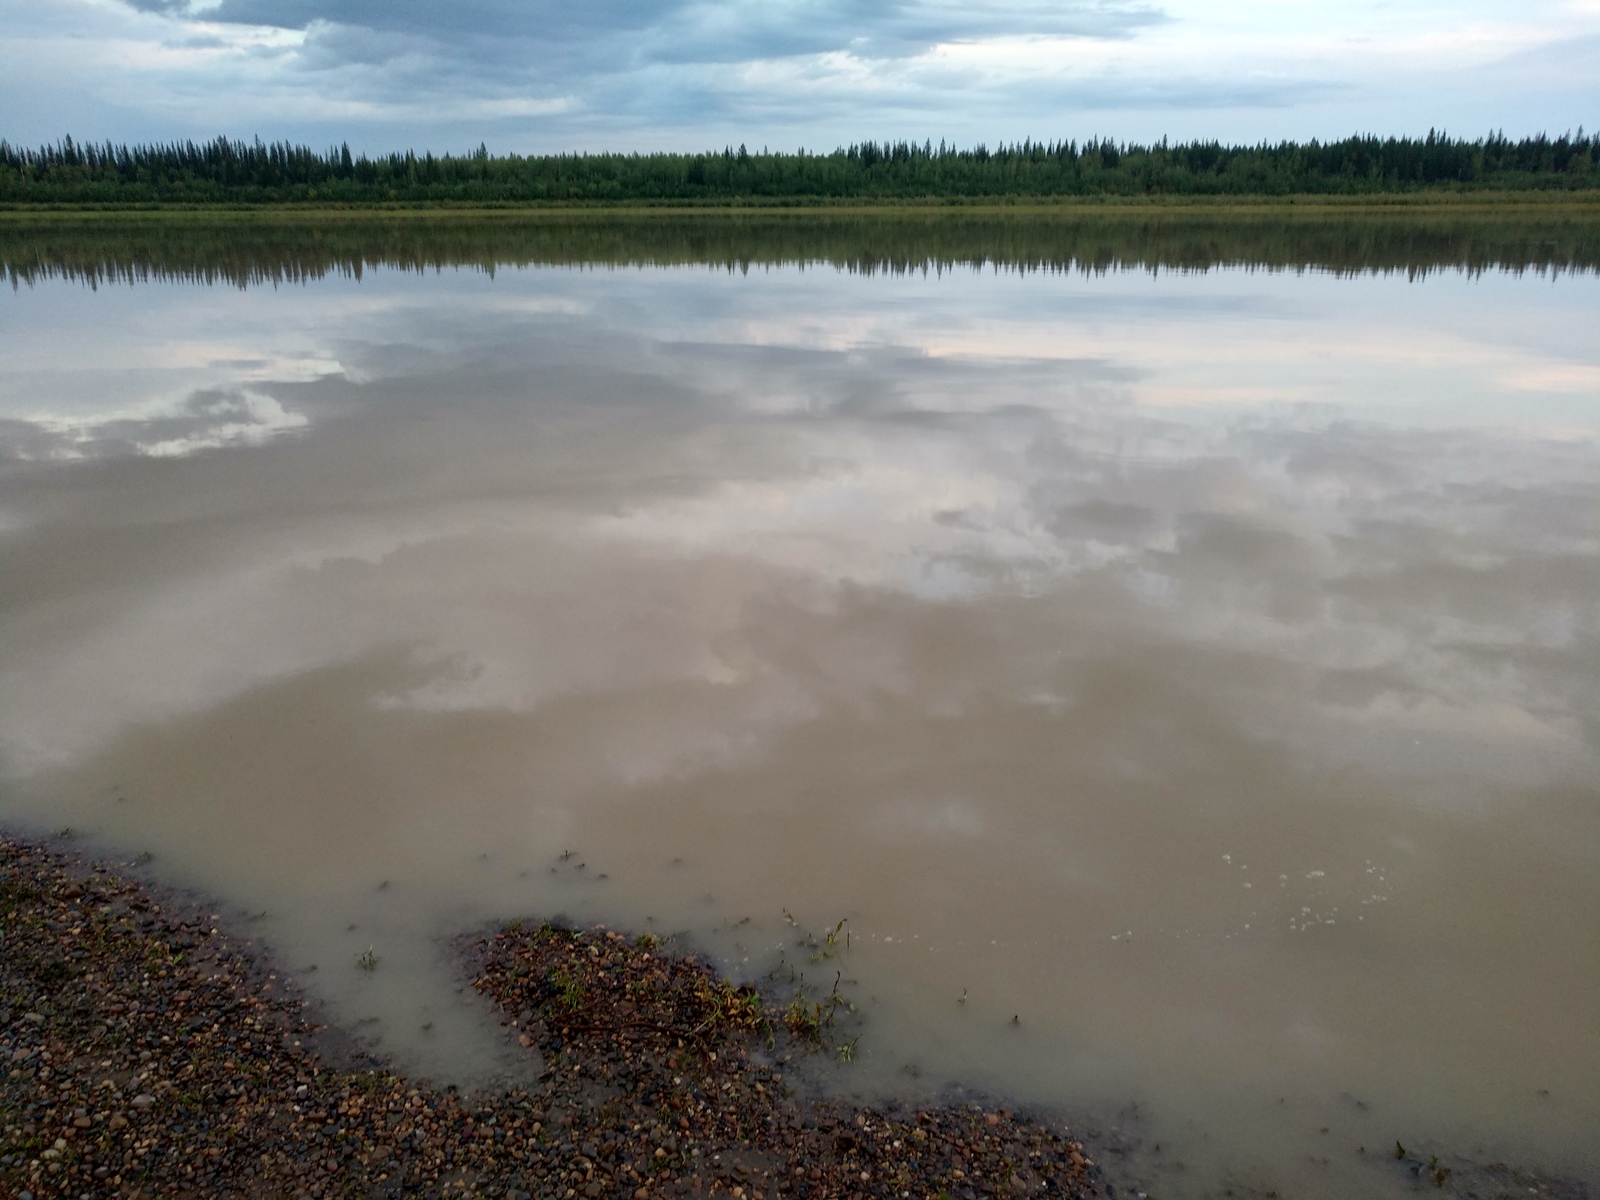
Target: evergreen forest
point(227, 172)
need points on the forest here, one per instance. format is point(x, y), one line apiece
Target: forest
point(230, 172)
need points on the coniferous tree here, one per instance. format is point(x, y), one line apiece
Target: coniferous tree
point(236, 172)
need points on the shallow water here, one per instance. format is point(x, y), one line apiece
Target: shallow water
point(1185, 685)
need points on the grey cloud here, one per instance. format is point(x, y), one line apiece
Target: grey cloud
point(328, 46)
point(732, 33)
point(664, 64)
point(537, 21)
point(28, 441)
point(546, 39)
point(1104, 520)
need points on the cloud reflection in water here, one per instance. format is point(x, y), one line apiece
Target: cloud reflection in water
point(1001, 614)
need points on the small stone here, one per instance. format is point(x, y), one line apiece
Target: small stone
point(143, 1100)
point(118, 1121)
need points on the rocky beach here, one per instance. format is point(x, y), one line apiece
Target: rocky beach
point(150, 1053)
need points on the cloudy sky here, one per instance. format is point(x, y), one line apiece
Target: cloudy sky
point(533, 75)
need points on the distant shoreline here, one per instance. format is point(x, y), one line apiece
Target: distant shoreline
point(1363, 168)
point(1484, 200)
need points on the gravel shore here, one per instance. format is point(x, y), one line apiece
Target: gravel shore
point(149, 1054)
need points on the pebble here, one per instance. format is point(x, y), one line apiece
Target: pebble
point(183, 1074)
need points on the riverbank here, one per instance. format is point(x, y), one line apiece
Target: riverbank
point(150, 1053)
point(1452, 201)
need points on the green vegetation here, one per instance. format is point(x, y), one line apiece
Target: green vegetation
point(271, 248)
point(235, 172)
point(726, 1006)
point(567, 990)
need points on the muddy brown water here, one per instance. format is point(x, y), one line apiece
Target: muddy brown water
point(1184, 685)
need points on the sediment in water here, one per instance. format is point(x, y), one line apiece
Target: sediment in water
point(149, 1053)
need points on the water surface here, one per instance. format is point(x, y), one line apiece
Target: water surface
point(1185, 682)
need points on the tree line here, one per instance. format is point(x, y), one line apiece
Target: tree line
point(237, 172)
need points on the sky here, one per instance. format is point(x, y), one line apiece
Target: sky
point(540, 76)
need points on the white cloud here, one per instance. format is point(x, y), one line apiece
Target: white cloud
point(252, 421)
point(157, 429)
